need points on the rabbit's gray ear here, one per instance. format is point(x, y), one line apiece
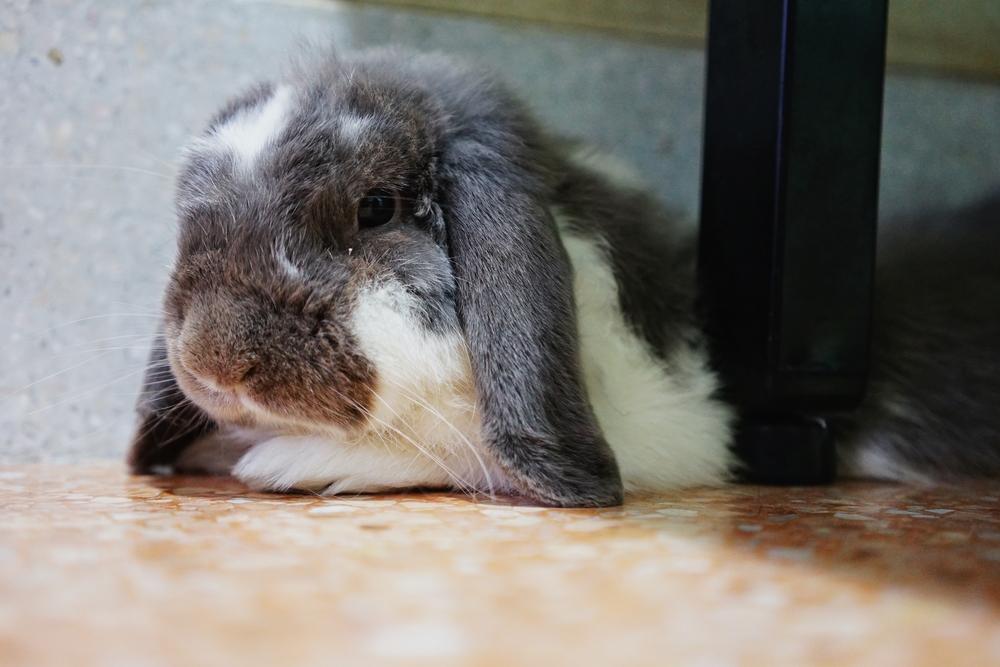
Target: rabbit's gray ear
point(168, 421)
point(515, 303)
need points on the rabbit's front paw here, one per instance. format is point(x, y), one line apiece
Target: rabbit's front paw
point(323, 466)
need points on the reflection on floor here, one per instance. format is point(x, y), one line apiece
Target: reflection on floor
point(97, 568)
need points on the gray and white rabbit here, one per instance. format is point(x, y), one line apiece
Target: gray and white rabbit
point(388, 277)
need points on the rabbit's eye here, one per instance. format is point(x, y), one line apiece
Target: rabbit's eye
point(376, 208)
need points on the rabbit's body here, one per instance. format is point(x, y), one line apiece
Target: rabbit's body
point(389, 277)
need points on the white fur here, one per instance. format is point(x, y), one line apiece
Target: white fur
point(250, 131)
point(665, 428)
point(314, 463)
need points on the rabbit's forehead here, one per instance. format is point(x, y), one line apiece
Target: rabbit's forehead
point(288, 133)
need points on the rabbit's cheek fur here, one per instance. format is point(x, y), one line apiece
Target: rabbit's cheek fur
point(412, 363)
point(266, 362)
point(423, 429)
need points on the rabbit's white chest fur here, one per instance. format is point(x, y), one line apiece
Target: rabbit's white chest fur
point(663, 425)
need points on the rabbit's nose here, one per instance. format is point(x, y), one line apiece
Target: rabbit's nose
point(216, 361)
point(222, 377)
point(221, 373)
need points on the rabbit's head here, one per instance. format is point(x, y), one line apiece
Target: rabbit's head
point(363, 235)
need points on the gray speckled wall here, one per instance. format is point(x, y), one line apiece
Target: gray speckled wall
point(96, 96)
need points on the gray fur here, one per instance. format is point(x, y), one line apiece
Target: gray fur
point(168, 423)
point(933, 405)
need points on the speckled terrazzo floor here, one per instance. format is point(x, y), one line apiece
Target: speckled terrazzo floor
point(97, 568)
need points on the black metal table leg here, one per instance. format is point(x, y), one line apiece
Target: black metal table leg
point(788, 218)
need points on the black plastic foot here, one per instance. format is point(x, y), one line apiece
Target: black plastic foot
point(786, 451)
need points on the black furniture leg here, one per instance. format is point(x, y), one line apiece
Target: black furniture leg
point(789, 204)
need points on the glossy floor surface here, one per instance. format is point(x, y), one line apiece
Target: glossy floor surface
point(97, 568)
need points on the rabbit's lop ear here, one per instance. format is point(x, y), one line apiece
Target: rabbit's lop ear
point(515, 302)
point(168, 421)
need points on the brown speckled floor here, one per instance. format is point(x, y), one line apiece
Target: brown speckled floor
point(97, 568)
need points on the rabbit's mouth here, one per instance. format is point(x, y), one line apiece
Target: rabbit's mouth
point(231, 398)
point(230, 404)
point(258, 400)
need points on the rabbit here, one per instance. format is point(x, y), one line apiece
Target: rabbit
point(389, 277)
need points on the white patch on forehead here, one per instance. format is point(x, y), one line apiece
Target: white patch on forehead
point(352, 127)
point(250, 131)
